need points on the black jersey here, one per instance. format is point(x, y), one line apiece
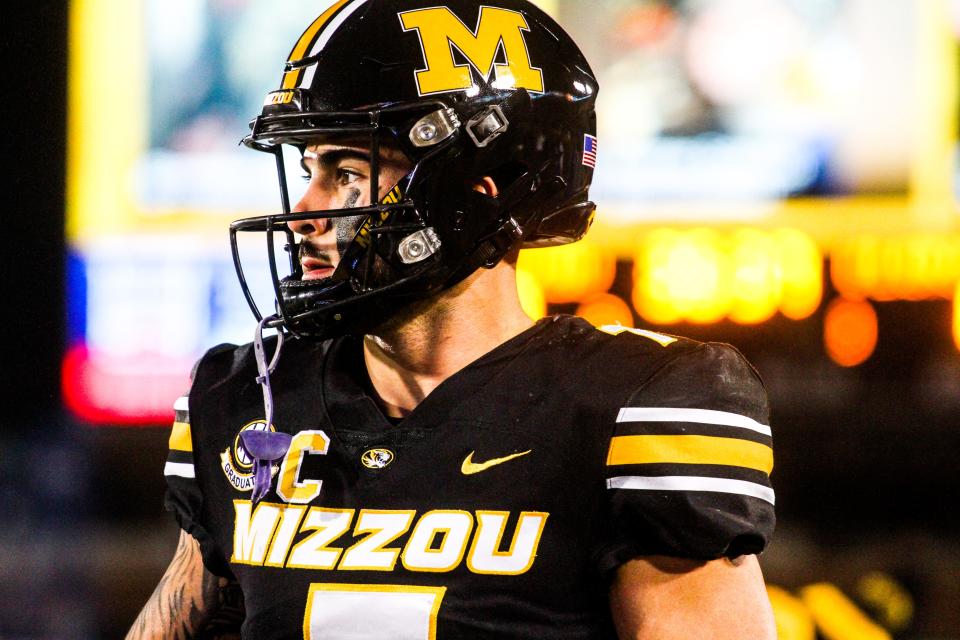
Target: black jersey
point(498, 508)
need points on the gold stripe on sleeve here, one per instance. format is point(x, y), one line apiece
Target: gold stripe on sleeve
point(731, 452)
point(180, 439)
point(291, 78)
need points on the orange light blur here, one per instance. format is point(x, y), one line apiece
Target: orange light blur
point(532, 300)
point(703, 276)
point(913, 267)
point(573, 272)
point(850, 331)
point(606, 309)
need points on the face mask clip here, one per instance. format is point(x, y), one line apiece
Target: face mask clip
point(418, 246)
point(434, 128)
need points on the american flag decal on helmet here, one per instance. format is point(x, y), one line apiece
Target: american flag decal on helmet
point(590, 151)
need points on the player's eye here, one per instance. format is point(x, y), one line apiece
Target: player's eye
point(347, 176)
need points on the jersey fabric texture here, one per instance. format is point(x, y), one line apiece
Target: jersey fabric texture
point(498, 508)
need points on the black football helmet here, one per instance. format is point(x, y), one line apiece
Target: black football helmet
point(466, 90)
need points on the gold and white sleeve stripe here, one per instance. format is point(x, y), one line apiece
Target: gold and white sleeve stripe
point(683, 449)
point(180, 456)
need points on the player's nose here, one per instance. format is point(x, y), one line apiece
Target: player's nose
point(314, 199)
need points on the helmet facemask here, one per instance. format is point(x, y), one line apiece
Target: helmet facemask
point(381, 249)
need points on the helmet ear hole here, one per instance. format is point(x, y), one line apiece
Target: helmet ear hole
point(487, 186)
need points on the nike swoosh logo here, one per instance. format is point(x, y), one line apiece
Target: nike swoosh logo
point(469, 467)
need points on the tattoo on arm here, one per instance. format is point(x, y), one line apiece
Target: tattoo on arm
point(190, 602)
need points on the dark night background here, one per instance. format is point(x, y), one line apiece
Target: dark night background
point(866, 459)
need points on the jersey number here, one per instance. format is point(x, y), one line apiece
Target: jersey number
point(371, 611)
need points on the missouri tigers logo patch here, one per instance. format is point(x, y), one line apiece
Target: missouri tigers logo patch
point(376, 458)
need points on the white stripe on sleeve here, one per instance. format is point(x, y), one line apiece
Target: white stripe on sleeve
point(703, 416)
point(692, 483)
point(181, 469)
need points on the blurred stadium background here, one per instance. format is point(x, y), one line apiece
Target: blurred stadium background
point(777, 174)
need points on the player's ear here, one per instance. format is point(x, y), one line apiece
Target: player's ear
point(486, 186)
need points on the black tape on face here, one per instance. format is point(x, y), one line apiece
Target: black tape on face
point(352, 199)
point(346, 228)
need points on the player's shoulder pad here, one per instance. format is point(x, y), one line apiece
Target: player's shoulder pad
point(708, 375)
point(640, 336)
point(219, 364)
point(212, 354)
point(226, 363)
point(626, 357)
point(627, 342)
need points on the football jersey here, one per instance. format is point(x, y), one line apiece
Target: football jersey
point(498, 509)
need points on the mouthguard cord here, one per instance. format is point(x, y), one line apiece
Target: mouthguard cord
point(262, 474)
point(264, 370)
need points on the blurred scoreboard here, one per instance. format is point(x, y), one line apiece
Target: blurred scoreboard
point(741, 142)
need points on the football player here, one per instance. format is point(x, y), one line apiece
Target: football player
point(411, 456)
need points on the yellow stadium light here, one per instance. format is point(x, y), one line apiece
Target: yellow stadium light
point(532, 300)
point(837, 616)
point(891, 603)
point(850, 331)
point(106, 133)
point(854, 267)
point(757, 286)
point(703, 276)
point(572, 272)
point(793, 620)
point(681, 276)
point(801, 272)
point(956, 316)
point(912, 267)
point(606, 309)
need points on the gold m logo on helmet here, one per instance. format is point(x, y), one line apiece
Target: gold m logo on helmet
point(440, 30)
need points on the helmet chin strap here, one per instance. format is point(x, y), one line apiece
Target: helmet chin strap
point(266, 447)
